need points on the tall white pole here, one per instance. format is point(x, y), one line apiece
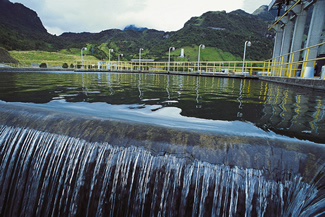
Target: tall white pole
point(82, 58)
point(140, 58)
point(118, 64)
point(198, 58)
point(247, 43)
point(109, 57)
point(171, 48)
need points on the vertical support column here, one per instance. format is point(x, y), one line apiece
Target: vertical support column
point(297, 39)
point(298, 32)
point(278, 41)
point(287, 33)
point(314, 34)
point(277, 47)
point(285, 47)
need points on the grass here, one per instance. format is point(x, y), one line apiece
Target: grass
point(207, 54)
point(53, 58)
point(73, 55)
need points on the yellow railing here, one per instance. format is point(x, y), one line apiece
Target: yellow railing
point(286, 66)
point(213, 67)
point(224, 67)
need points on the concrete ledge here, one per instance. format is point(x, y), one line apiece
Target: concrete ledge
point(269, 154)
point(314, 83)
point(30, 69)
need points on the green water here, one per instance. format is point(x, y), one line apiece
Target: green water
point(285, 110)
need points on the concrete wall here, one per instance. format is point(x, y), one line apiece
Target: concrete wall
point(301, 82)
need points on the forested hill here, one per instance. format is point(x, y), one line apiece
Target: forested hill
point(22, 29)
point(226, 33)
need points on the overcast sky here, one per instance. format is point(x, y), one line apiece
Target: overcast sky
point(60, 16)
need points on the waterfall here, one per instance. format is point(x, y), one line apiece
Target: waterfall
point(47, 174)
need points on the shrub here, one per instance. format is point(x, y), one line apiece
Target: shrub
point(65, 66)
point(43, 65)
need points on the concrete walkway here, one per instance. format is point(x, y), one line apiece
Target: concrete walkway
point(314, 83)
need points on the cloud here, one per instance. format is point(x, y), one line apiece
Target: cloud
point(94, 16)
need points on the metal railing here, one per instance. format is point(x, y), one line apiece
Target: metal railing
point(283, 66)
point(293, 64)
point(213, 67)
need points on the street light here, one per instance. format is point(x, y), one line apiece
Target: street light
point(247, 43)
point(198, 59)
point(109, 57)
point(82, 58)
point(140, 58)
point(171, 48)
point(118, 64)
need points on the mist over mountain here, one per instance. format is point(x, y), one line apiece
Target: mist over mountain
point(134, 28)
point(263, 13)
point(22, 29)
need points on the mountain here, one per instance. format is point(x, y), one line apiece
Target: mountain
point(17, 16)
point(225, 32)
point(228, 32)
point(22, 29)
point(224, 35)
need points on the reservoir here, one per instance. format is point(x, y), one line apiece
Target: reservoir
point(138, 144)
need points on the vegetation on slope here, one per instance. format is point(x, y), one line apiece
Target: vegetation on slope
point(56, 58)
point(224, 35)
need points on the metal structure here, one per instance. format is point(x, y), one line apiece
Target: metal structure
point(289, 55)
point(173, 49)
point(82, 56)
point(141, 49)
point(247, 43)
point(198, 58)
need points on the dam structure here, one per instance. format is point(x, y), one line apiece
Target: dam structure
point(219, 141)
point(290, 56)
point(121, 144)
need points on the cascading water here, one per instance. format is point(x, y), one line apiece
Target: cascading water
point(46, 174)
point(116, 144)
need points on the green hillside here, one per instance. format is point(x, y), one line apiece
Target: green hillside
point(55, 58)
point(223, 34)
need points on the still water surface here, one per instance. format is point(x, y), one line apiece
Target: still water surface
point(224, 105)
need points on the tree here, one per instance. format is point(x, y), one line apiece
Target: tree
point(43, 65)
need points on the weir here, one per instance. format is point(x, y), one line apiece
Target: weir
point(66, 164)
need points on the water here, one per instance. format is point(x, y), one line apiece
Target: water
point(114, 144)
point(53, 175)
point(181, 101)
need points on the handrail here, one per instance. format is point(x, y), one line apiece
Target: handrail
point(280, 68)
point(285, 13)
point(270, 67)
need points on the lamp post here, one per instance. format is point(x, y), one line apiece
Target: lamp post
point(171, 48)
point(198, 58)
point(109, 57)
point(140, 58)
point(82, 58)
point(247, 43)
point(118, 64)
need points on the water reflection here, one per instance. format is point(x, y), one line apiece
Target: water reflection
point(286, 110)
